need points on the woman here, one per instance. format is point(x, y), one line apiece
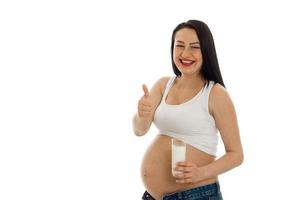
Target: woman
point(191, 106)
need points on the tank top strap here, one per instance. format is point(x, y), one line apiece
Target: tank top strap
point(168, 86)
point(205, 94)
point(210, 85)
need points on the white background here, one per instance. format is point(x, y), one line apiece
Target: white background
point(71, 74)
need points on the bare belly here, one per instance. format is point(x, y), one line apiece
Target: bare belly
point(156, 167)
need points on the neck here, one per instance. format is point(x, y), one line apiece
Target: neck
point(190, 82)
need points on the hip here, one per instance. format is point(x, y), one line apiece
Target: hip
point(206, 192)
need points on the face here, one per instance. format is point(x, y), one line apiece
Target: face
point(186, 52)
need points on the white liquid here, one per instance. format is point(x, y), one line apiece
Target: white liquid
point(178, 154)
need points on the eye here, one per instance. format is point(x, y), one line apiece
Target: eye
point(195, 47)
point(179, 45)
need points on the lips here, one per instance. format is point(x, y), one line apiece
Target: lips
point(186, 63)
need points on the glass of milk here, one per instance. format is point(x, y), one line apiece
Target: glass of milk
point(178, 153)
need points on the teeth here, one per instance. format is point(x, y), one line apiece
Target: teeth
point(186, 62)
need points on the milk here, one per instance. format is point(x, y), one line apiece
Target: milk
point(178, 153)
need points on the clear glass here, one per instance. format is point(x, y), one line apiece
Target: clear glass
point(178, 153)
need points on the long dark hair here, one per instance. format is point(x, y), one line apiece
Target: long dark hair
point(210, 67)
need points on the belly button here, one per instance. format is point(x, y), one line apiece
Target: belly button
point(145, 173)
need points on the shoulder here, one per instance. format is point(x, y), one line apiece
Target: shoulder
point(218, 98)
point(218, 90)
point(157, 90)
point(159, 87)
point(162, 82)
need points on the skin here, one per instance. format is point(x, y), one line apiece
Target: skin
point(199, 168)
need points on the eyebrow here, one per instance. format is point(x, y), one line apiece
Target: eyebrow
point(190, 43)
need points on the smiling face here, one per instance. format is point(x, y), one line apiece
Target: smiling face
point(186, 52)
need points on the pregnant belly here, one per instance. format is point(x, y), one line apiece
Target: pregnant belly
point(156, 170)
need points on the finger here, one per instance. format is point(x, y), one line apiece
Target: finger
point(179, 175)
point(187, 175)
point(145, 107)
point(144, 103)
point(185, 164)
point(147, 104)
point(180, 181)
point(146, 91)
point(145, 111)
point(183, 169)
point(186, 180)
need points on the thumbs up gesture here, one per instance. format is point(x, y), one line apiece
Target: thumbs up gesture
point(145, 104)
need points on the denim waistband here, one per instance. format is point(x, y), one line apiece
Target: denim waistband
point(195, 193)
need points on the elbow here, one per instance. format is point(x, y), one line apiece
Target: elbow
point(240, 158)
point(139, 133)
point(237, 157)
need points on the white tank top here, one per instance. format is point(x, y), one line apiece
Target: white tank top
point(190, 121)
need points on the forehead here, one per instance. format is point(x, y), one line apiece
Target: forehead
point(186, 35)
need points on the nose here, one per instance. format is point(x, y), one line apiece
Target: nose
point(186, 52)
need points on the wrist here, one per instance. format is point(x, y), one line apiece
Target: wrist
point(205, 172)
point(143, 119)
point(141, 125)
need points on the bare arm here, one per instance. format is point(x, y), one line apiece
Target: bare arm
point(223, 111)
point(147, 105)
point(140, 125)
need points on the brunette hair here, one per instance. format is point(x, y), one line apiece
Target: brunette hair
point(210, 67)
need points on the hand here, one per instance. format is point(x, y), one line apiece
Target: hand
point(189, 172)
point(145, 104)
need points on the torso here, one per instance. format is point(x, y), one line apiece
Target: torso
point(156, 166)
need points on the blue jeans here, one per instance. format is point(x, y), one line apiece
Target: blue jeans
point(206, 192)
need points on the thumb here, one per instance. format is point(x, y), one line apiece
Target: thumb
point(146, 91)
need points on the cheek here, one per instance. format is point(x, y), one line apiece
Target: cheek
point(197, 54)
point(175, 60)
point(199, 58)
point(175, 55)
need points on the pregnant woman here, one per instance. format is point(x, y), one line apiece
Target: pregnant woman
point(192, 106)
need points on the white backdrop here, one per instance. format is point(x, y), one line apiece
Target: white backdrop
point(71, 73)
